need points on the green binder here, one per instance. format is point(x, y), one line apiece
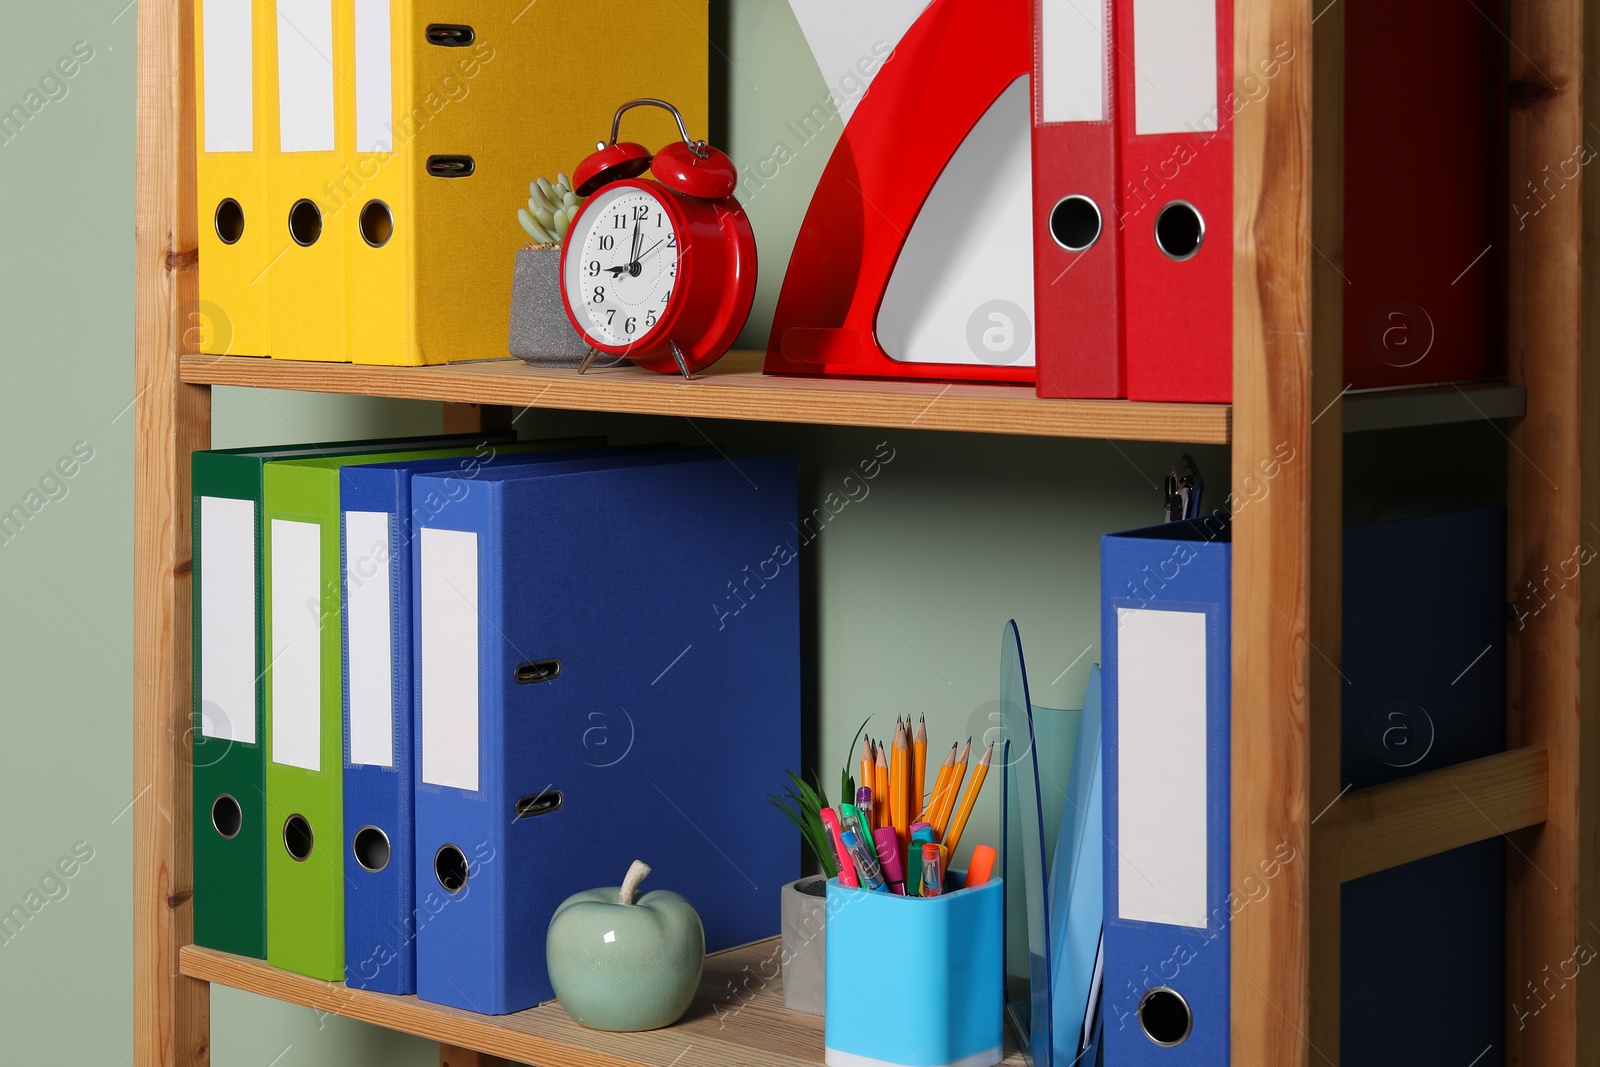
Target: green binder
point(229, 656)
point(304, 697)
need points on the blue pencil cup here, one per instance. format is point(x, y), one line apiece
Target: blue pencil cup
point(915, 982)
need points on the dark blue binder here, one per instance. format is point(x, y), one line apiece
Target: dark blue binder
point(1422, 965)
point(1165, 630)
point(375, 545)
point(608, 670)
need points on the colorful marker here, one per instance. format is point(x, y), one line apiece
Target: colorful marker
point(847, 866)
point(932, 875)
point(894, 872)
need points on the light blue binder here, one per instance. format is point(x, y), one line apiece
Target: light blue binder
point(1165, 637)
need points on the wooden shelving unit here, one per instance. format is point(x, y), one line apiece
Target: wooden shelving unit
point(738, 1019)
point(1287, 786)
point(735, 388)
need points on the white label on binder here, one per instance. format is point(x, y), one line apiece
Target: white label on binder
point(1072, 60)
point(228, 43)
point(305, 75)
point(1175, 65)
point(1161, 766)
point(296, 691)
point(228, 619)
point(449, 608)
point(368, 615)
point(374, 78)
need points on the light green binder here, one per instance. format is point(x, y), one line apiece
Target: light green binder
point(304, 683)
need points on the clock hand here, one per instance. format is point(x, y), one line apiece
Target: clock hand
point(633, 251)
point(652, 248)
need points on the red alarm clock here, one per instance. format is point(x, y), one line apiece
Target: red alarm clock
point(662, 272)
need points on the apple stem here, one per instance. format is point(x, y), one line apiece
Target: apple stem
point(630, 885)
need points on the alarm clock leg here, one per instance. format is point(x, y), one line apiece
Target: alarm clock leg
point(683, 364)
point(588, 360)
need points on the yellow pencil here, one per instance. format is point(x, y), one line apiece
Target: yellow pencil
point(866, 768)
point(954, 837)
point(939, 782)
point(919, 767)
point(899, 798)
point(880, 790)
point(958, 774)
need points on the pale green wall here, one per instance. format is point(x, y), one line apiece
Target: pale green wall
point(911, 585)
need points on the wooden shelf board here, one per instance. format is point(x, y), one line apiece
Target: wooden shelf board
point(737, 1020)
point(735, 388)
point(1433, 405)
point(1424, 815)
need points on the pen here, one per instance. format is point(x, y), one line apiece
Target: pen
point(847, 867)
point(866, 863)
point(850, 818)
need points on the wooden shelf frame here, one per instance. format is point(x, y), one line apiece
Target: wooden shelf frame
point(1287, 790)
point(737, 1020)
point(735, 388)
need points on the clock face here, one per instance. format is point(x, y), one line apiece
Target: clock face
point(621, 266)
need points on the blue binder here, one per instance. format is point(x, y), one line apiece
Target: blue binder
point(1165, 635)
point(608, 670)
point(1424, 650)
point(375, 543)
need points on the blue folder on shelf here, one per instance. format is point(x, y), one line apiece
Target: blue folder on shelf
point(1165, 594)
point(609, 670)
point(1424, 653)
point(376, 514)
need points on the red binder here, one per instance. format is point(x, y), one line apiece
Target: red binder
point(1422, 186)
point(1077, 276)
point(953, 63)
point(1175, 132)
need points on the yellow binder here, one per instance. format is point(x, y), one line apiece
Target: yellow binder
point(232, 127)
point(481, 99)
point(310, 50)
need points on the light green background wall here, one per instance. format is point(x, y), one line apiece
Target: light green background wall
point(911, 585)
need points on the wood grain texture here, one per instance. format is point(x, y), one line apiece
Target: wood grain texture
point(171, 1013)
point(1272, 573)
point(735, 388)
point(1385, 826)
point(1331, 414)
point(1550, 891)
point(738, 1019)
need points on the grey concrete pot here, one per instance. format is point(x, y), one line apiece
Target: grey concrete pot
point(541, 333)
point(805, 946)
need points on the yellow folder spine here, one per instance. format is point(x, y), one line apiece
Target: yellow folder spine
point(230, 316)
point(311, 49)
point(383, 226)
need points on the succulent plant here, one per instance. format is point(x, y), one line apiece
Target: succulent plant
point(551, 208)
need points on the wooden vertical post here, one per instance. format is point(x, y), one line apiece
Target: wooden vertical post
point(1552, 987)
point(1327, 526)
point(171, 1014)
point(1271, 534)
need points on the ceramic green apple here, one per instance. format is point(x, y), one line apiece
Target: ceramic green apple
point(620, 963)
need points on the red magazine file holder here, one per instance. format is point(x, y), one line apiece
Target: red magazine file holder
point(941, 79)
